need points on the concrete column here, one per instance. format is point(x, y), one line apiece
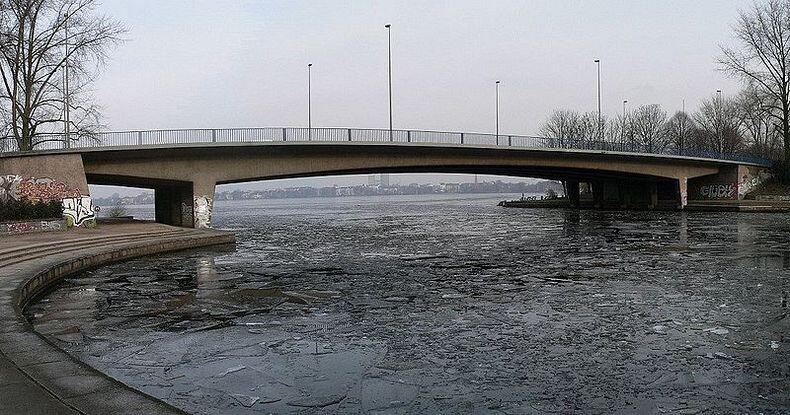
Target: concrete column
point(173, 204)
point(683, 192)
point(573, 192)
point(598, 193)
point(203, 202)
point(653, 195)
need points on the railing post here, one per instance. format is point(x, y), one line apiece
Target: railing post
point(140, 138)
point(509, 141)
point(462, 138)
point(283, 133)
point(213, 135)
point(408, 136)
point(349, 134)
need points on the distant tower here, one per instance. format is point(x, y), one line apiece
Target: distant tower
point(385, 180)
point(371, 180)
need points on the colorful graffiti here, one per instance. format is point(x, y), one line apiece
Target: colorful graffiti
point(44, 189)
point(718, 191)
point(79, 211)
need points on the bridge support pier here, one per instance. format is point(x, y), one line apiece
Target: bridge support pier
point(572, 186)
point(203, 203)
point(173, 204)
point(184, 204)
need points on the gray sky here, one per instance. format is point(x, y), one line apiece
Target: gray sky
point(190, 64)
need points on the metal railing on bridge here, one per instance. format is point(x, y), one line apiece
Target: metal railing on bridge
point(297, 134)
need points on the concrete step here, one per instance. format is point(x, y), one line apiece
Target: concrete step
point(36, 253)
point(78, 240)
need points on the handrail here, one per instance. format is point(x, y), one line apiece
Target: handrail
point(56, 141)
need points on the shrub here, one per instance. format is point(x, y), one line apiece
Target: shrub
point(12, 210)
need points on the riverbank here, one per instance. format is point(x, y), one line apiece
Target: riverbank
point(37, 377)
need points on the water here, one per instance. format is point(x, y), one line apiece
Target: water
point(446, 304)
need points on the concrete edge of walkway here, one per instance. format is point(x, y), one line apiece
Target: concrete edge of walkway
point(77, 386)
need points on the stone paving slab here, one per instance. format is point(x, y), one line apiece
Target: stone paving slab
point(37, 377)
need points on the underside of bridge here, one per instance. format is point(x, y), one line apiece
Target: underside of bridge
point(184, 178)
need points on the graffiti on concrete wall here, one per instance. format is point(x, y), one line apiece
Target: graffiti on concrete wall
point(9, 187)
point(79, 211)
point(44, 189)
point(32, 226)
point(202, 209)
point(718, 191)
point(749, 182)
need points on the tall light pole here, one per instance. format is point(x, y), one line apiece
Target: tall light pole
point(309, 102)
point(497, 112)
point(719, 119)
point(389, 68)
point(622, 127)
point(600, 119)
point(66, 98)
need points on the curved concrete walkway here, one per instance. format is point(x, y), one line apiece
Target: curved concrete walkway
point(37, 377)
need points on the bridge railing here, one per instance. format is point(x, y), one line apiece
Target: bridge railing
point(297, 134)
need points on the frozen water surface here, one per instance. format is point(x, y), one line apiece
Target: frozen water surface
point(446, 305)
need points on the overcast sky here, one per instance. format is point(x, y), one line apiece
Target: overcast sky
point(190, 64)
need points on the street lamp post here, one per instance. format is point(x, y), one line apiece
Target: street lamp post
point(66, 97)
point(497, 112)
point(309, 103)
point(719, 121)
point(389, 69)
point(600, 119)
point(622, 127)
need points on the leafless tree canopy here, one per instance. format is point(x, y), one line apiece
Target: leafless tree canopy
point(763, 59)
point(718, 124)
point(680, 130)
point(569, 128)
point(648, 123)
point(38, 39)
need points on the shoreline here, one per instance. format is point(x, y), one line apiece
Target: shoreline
point(39, 377)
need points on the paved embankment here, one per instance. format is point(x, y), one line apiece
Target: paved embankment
point(37, 377)
point(738, 206)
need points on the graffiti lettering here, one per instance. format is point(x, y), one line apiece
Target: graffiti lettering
point(718, 191)
point(78, 211)
point(45, 189)
point(14, 187)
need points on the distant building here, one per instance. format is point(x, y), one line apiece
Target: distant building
point(385, 180)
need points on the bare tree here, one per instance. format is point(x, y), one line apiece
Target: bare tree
point(40, 42)
point(570, 129)
point(648, 125)
point(760, 129)
point(763, 58)
point(680, 130)
point(560, 127)
point(719, 123)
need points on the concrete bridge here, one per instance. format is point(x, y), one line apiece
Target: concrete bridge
point(184, 166)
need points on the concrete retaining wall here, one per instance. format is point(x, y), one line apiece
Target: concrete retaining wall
point(10, 228)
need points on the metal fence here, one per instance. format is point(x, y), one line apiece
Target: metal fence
point(296, 134)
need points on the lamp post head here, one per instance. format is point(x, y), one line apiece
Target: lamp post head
point(309, 65)
point(497, 82)
point(387, 25)
point(597, 61)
